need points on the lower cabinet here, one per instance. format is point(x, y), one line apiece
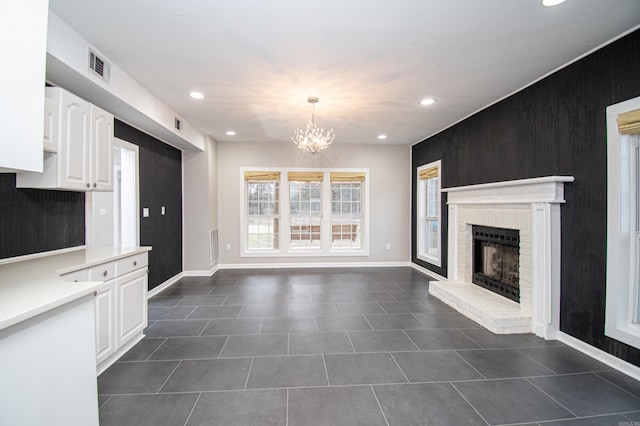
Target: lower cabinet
point(120, 305)
point(131, 297)
point(105, 321)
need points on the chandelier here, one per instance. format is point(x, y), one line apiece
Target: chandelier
point(312, 139)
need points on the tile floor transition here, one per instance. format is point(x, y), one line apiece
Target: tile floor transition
point(365, 346)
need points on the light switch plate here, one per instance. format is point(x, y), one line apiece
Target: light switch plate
point(145, 212)
point(102, 212)
point(162, 210)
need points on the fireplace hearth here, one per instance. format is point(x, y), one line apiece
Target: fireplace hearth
point(496, 253)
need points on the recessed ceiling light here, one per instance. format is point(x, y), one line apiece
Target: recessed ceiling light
point(550, 3)
point(196, 95)
point(382, 136)
point(428, 101)
point(231, 133)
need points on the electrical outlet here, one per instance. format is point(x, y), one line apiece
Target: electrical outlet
point(388, 246)
point(228, 247)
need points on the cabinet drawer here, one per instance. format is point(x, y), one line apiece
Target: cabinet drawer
point(131, 263)
point(103, 272)
point(81, 276)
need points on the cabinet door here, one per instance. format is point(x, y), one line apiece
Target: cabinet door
point(105, 321)
point(50, 135)
point(131, 305)
point(74, 145)
point(101, 149)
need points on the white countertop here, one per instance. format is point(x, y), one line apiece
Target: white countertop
point(31, 285)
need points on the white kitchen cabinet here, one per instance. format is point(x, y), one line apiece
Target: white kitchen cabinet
point(105, 321)
point(121, 305)
point(51, 123)
point(23, 41)
point(101, 139)
point(82, 158)
point(132, 305)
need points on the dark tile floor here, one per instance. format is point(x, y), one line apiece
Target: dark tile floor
point(346, 347)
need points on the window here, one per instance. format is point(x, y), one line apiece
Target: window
point(321, 212)
point(346, 210)
point(622, 319)
point(428, 239)
point(305, 216)
point(263, 210)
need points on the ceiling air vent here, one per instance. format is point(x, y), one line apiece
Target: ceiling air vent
point(99, 66)
point(178, 124)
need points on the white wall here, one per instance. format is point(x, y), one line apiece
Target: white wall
point(390, 188)
point(200, 206)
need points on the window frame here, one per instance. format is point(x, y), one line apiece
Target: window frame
point(421, 215)
point(339, 218)
point(622, 275)
point(278, 216)
point(284, 249)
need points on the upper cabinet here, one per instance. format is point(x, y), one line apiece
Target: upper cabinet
point(78, 146)
point(23, 43)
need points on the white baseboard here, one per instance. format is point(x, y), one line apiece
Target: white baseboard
point(165, 285)
point(428, 272)
point(314, 265)
point(600, 355)
point(203, 273)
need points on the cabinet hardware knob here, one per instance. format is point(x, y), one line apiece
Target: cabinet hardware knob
point(88, 185)
point(135, 263)
point(95, 184)
point(104, 274)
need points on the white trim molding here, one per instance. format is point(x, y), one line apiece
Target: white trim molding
point(621, 312)
point(531, 206)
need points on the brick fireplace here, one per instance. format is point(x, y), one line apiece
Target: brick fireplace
point(532, 208)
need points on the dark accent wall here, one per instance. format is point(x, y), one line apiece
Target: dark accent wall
point(160, 185)
point(554, 127)
point(36, 220)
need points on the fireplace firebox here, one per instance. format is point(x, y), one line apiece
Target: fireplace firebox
point(496, 265)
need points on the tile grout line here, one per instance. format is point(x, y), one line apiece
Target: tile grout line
point(168, 377)
point(223, 345)
point(326, 371)
point(192, 409)
point(596, 373)
point(379, 405)
point(249, 373)
point(204, 328)
point(155, 350)
point(467, 401)
point(400, 368)
point(412, 341)
point(351, 342)
point(549, 396)
point(469, 364)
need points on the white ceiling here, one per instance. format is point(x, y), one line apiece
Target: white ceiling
point(369, 61)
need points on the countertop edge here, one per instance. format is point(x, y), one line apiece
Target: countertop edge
point(82, 289)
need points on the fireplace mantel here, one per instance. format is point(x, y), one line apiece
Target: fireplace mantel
point(548, 189)
point(533, 207)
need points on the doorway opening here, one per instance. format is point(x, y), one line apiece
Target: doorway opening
point(112, 217)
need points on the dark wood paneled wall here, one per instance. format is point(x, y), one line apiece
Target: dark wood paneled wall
point(35, 220)
point(554, 127)
point(160, 185)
